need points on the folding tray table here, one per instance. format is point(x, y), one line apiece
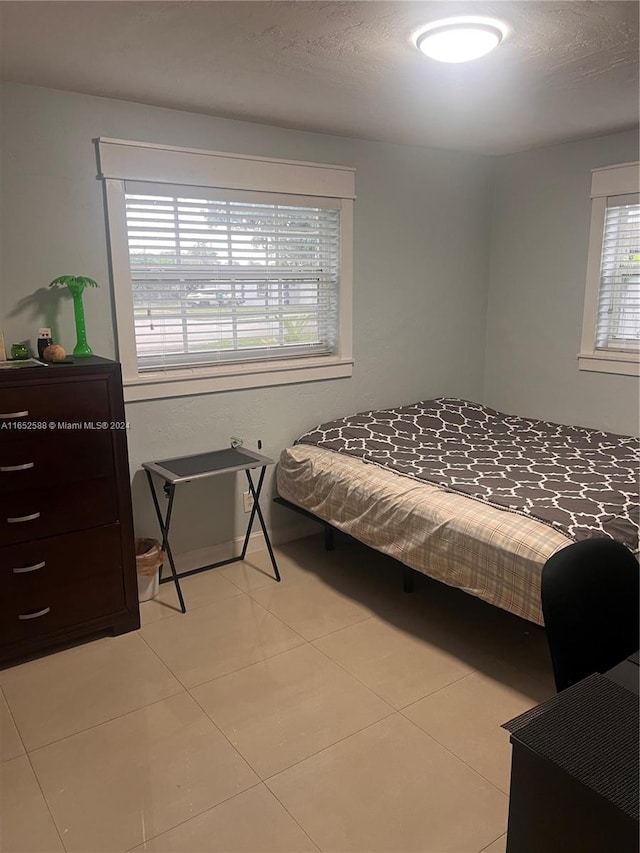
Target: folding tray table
point(185, 469)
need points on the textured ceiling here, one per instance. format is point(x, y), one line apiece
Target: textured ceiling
point(567, 70)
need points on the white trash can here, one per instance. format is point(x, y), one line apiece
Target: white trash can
point(149, 559)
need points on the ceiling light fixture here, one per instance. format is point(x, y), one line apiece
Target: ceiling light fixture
point(460, 39)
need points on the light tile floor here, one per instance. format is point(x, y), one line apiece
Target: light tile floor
point(330, 712)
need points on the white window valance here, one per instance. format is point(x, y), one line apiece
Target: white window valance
point(141, 161)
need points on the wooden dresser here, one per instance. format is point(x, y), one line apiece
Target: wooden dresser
point(67, 558)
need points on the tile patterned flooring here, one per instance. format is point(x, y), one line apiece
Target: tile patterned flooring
point(330, 712)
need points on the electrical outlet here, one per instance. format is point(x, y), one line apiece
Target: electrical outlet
point(247, 501)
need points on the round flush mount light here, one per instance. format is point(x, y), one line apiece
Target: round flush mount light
point(460, 39)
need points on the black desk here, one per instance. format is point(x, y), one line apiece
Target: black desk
point(575, 769)
point(185, 469)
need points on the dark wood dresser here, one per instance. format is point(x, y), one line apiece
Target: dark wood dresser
point(67, 557)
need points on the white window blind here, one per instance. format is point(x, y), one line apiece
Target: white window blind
point(221, 276)
point(618, 314)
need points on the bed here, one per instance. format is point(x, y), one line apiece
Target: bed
point(465, 494)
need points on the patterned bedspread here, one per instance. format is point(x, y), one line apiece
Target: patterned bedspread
point(580, 481)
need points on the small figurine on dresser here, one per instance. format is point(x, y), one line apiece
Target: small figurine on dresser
point(44, 341)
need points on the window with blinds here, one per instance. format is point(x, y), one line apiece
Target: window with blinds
point(618, 317)
point(221, 276)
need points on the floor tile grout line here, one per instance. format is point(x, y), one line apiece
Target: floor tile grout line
point(371, 689)
point(190, 608)
point(164, 663)
point(262, 781)
point(29, 750)
point(502, 835)
point(246, 591)
point(191, 687)
point(131, 634)
point(391, 607)
point(438, 690)
point(249, 593)
point(304, 643)
point(346, 671)
point(138, 634)
point(176, 611)
point(311, 643)
point(225, 736)
point(454, 755)
point(391, 713)
point(244, 666)
point(343, 628)
point(191, 817)
point(258, 784)
point(237, 588)
point(316, 752)
point(293, 818)
point(15, 725)
point(168, 829)
point(291, 583)
point(491, 658)
point(392, 708)
point(46, 802)
point(107, 721)
point(247, 666)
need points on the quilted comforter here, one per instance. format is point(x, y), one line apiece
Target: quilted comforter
point(579, 481)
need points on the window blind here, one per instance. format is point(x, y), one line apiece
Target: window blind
point(220, 276)
point(618, 319)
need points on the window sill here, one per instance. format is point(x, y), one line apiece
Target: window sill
point(187, 383)
point(623, 363)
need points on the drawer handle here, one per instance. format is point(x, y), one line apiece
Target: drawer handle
point(24, 467)
point(22, 570)
point(21, 518)
point(33, 615)
point(8, 415)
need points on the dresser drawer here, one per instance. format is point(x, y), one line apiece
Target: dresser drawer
point(60, 581)
point(36, 513)
point(70, 402)
point(67, 561)
point(51, 460)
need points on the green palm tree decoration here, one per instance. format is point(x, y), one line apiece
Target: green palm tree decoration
point(76, 285)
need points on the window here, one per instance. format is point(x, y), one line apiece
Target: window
point(611, 328)
point(229, 271)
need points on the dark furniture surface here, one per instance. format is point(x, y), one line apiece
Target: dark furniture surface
point(590, 604)
point(67, 557)
point(575, 769)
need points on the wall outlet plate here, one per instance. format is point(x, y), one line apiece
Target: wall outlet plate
point(247, 501)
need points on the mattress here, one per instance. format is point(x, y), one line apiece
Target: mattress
point(580, 481)
point(490, 553)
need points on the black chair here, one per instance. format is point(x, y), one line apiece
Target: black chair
point(590, 603)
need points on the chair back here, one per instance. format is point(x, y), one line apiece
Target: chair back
point(590, 603)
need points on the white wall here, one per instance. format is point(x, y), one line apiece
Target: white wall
point(541, 215)
point(421, 254)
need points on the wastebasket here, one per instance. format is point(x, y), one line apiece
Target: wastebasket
point(149, 558)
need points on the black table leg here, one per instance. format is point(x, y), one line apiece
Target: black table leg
point(164, 528)
point(255, 493)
